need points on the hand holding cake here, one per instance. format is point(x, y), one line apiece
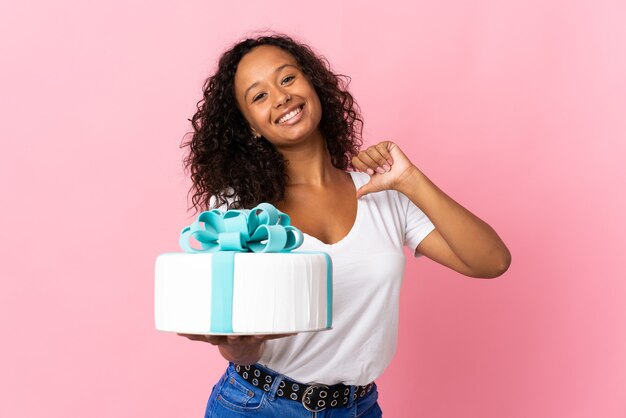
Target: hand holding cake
point(242, 350)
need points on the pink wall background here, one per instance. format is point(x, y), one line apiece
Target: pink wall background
point(516, 109)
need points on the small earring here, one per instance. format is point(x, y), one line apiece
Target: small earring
point(256, 136)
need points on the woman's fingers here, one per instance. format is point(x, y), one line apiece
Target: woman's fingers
point(361, 166)
point(375, 159)
point(194, 337)
point(372, 158)
point(376, 154)
point(384, 149)
point(274, 336)
point(211, 339)
point(368, 161)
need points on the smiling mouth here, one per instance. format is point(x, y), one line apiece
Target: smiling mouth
point(290, 115)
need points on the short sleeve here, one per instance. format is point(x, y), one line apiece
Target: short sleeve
point(418, 226)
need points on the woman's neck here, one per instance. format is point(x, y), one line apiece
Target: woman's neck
point(310, 164)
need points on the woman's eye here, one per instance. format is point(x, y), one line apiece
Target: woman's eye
point(288, 79)
point(258, 96)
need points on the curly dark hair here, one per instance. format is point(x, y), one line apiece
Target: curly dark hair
point(230, 167)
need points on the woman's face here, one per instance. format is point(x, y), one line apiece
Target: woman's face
point(276, 98)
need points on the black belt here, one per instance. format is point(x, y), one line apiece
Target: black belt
point(314, 398)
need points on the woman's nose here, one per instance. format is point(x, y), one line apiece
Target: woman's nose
point(282, 99)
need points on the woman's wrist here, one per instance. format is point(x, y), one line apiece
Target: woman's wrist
point(408, 180)
point(243, 354)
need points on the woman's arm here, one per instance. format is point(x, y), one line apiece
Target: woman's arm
point(461, 240)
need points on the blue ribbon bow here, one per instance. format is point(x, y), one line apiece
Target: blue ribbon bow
point(261, 230)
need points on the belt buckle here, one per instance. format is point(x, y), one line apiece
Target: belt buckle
point(306, 397)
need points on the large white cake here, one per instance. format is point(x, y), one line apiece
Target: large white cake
point(271, 293)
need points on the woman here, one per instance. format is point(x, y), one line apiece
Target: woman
point(276, 125)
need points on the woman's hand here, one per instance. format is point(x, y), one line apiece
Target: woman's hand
point(239, 349)
point(387, 166)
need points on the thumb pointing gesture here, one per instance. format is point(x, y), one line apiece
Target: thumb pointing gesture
point(365, 189)
point(385, 163)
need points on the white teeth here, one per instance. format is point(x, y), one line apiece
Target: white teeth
point(289, 115)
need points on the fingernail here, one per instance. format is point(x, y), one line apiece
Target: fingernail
point(380, 170)
point(386, 167)
point(370, 171)
point(390, 162)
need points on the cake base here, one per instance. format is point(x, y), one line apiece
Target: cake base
point(272, 293)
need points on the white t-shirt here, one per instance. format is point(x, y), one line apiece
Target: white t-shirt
point(368, 265)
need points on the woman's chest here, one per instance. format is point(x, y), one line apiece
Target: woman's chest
point(327, 216)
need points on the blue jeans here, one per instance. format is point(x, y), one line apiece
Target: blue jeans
point(232, 396)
